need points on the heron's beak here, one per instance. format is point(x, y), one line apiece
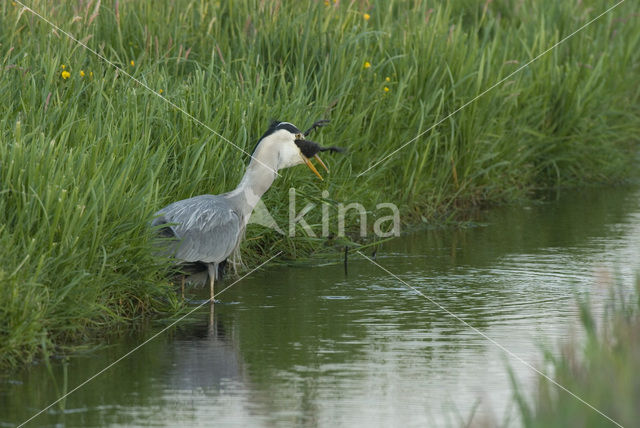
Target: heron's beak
point(311, 167)
point(321, 163)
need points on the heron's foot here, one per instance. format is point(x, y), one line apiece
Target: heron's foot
point(320, 123)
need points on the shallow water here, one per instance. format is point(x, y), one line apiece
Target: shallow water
point(313, 346)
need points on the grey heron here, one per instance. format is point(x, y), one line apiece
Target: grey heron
point(206, 229)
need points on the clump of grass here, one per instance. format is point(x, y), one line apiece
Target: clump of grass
point(602, 370)
point(87, 155)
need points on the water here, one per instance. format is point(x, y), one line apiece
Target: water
point(311, 346)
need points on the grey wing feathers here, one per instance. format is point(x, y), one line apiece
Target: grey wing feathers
point(206, 227)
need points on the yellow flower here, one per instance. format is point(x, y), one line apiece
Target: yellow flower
point(386, 89)
point(132, 63)
point(81, 73)
point(326, 2)
point(367, 64)
point(65, 75)
point(160, 91)
point(388, 79)
point(91, 74)
point(366, 16)
point(63, 66)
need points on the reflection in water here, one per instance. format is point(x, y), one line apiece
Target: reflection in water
point(166, 380)
point(203, 357)
point(311, 346)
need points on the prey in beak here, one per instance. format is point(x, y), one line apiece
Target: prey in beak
point(310, 149)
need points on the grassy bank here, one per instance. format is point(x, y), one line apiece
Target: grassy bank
point(87, 155)
point(602, 370)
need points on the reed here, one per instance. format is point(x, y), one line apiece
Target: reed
point(601, 369)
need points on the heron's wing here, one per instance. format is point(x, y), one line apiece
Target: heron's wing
point(206, 227)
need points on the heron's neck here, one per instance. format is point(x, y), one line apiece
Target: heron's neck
point(257, 179)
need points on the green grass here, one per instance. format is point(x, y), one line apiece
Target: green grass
point(602, 370)
point(84, 162)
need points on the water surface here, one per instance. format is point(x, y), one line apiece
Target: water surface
point(315, 347)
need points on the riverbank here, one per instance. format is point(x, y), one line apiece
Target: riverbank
point(88, 155)
point(303, 343)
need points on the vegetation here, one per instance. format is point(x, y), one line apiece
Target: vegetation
point(87, 154)
point(603, 371)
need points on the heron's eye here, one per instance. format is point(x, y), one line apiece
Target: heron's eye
point(299, 137)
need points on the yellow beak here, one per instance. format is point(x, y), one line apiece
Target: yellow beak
point(321, 163)
point(311, 167)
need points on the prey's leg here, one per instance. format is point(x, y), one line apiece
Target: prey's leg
point(318, 124)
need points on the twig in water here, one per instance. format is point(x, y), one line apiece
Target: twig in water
point(346, 258)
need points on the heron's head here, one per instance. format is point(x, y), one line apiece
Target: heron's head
point(291, 146)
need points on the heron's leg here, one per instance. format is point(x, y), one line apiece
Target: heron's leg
point(211, 267)
point(211, 325)
point(182, 286)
